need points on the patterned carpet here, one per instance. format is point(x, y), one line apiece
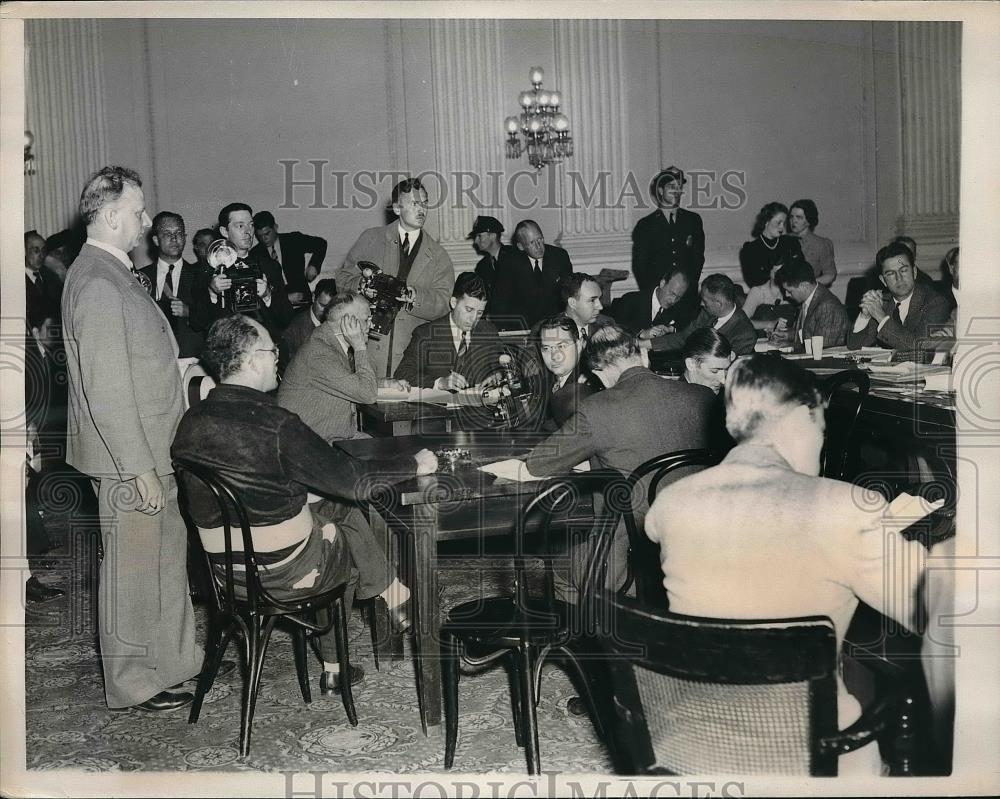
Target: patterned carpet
point(70, 727)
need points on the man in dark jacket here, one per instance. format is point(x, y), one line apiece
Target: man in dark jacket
point(527, 288)
point(289, 251)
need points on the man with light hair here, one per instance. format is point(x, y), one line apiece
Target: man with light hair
point(762, 536)
point(124, 405)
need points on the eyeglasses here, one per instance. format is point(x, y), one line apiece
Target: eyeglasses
point(272, 350)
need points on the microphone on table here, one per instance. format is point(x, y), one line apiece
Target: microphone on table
point(509, 393)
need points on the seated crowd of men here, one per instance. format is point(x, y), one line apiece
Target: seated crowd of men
point(589, 375)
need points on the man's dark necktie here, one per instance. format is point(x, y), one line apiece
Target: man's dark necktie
point(895, 314)
point(584, 336)
point(406, 244)
point(538, 269)
point(662, 318)
point(463, 348)
point(170, 280)
point(350, 360)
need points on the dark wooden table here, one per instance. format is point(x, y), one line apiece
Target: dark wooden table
point(450, 505)
point(404, 418)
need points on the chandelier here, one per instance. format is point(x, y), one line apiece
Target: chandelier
point(545, 129)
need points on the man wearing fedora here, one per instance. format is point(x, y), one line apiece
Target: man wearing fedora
point(485, 237)
point(670, 238)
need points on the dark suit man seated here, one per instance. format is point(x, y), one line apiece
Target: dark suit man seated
point(485, 237)
point(273, 460)
point(581, 302)
point(41, 290)
point(820, 312)
point(172, 281)
point(640, 415)
point(909, 316)
point(564, 382)
point(457, 351)
point(762, 536)
point(289, 251)
point(527, 288)
point(208, 296)
point(307, 320)
point(654, 312)
point(718, 311)
point(333, 373)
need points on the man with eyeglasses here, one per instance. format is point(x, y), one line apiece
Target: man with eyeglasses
point(402, 249)
point(564, 383)
point(904, 319)
point(307, 320)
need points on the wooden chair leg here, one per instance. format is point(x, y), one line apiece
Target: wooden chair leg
point(515, 702)
point(219, 639)
point(258, 638)
point(450, 676)
point(344, 659)
point(301, 663)
point(524, 660)
point(378, 623)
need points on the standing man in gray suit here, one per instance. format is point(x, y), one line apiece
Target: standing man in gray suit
point(403, 250)
point(124, 406)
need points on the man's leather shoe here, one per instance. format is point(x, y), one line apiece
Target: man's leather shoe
point(329, 681)
point(225, 667)
point(576, 706)
point(36, 591)
point(163, 701)
point(399, 616)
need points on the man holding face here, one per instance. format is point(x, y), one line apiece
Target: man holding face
point(907, 317)
point(333, 372)
point(404, 250)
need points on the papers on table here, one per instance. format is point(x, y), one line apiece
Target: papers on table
point(763, 345)
point(910, 509)
point(415, 394)
point(910, 372)
point(517, 470)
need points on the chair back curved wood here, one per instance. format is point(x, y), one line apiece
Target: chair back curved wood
point(246, 607)
point(840, 427)
point(644, 556)
point(692, 695)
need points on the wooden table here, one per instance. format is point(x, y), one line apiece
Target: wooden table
point(405, 418)
point(449, 505)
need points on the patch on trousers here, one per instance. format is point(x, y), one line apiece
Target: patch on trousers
point(329, 531)
point(308, 580)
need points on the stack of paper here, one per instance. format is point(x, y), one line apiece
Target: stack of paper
point(908, 372)
point(910, 509)
point(510, 469)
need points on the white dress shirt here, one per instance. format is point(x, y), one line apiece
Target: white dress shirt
point(805, 307)
point(723, 319)
point(121, 255)
point(162, 270)
point(413, 234)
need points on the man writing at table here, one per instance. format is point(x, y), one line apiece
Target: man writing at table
point(457, 351)
point(272, 460)
point(333, 373)
point(907, 318)
point(820, 312)
point(763, 536)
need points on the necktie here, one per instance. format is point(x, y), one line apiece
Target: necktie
point(538, 269)
point(406, 243)
point(350, 359)
point(895, 314)
point(273, 253)
point(584, 336)
point(170, 280)
point(670, 218)
point(661, 317)
point(463, 347)
point(143, 281)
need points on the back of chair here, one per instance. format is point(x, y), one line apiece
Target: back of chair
point(229, 592)
point(559, 498)
point(840, 427)
point(709, 696)
point(644, 556)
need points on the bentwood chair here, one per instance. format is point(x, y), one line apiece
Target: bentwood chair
point(529, 626)
point(644, 571)
point(840, 428)
point(247, 609)
point(692, 695)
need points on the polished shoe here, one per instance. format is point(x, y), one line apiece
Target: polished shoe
point(576, 706)
point(225, 667)
point(399, 616)
point(36, 591)
point(163, 701)
point(329, 681)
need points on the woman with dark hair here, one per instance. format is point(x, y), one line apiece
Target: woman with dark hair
point(768, 245)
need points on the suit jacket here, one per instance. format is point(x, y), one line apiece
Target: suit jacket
point(488, 266)
point(739, 332)
point(46, 399)
point(927, 310)
point(431, 275)
point(752, 538)
point(295, 335)
point(825, 317)
point(321, 388)
point(562, 405)
point(274, 317)
point(659, 247)
point(521, 300)
point(42, 294)
point(634, 311)
point(294, 246)
point(818, 251)
point(643, 415)
point(124, 385)
point(189, 340)
point(431, 354)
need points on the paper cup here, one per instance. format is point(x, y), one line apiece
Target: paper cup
point(809, 346)
point(817, 348)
